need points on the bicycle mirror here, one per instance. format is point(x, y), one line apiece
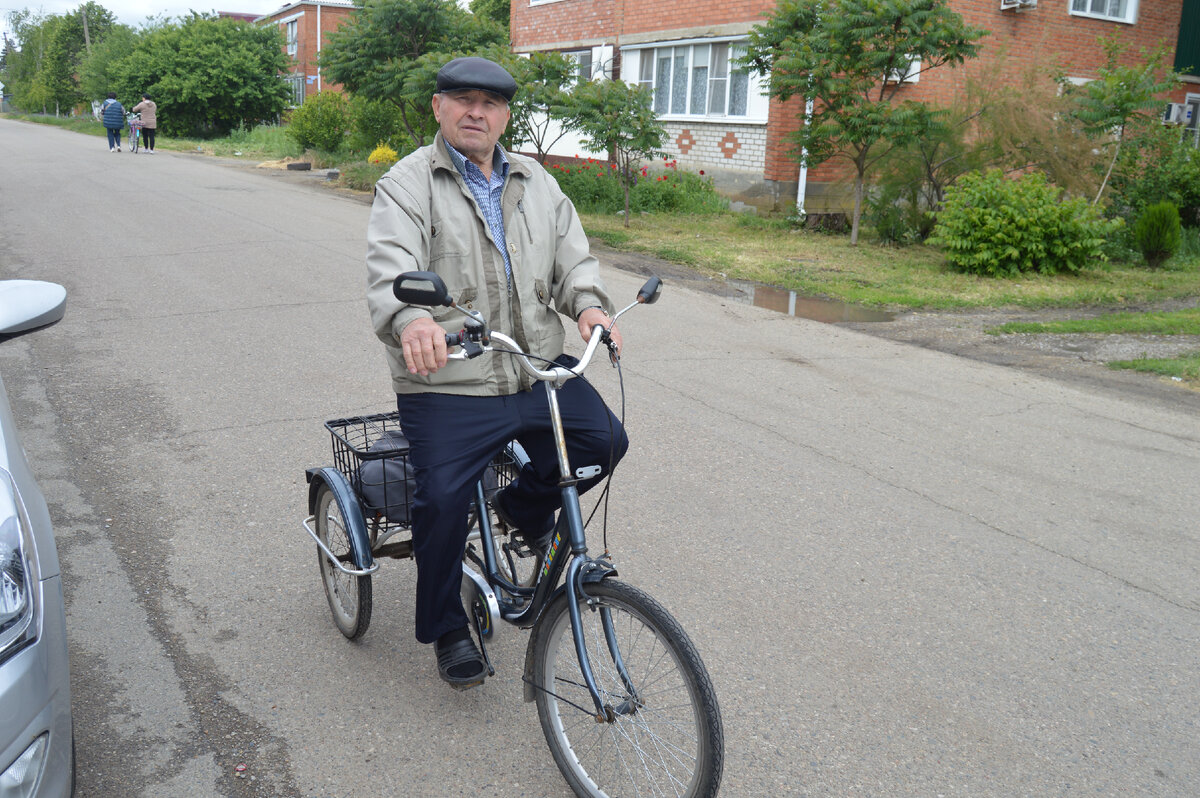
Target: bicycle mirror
point(421, 288)
point(650, 291)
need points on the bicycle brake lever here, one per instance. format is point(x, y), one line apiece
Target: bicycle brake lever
point(614, 354)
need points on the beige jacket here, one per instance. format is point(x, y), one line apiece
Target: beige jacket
point(425, 218)
point(149, 111)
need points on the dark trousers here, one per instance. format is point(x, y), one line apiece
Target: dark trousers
point(148, 137)
point(452, 440)
point(114, 137)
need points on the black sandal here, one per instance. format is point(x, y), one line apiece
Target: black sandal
point(461, 652)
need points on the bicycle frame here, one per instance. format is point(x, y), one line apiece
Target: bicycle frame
point(426, 288)
point(579, 567)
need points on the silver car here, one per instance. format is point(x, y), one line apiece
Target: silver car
point(37, 755)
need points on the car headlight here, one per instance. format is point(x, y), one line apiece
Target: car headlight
point(18, 573)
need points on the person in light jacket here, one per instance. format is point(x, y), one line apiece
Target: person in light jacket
point(507, 242)
point(112, 113)
point(149, 112)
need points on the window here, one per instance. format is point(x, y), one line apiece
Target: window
point(292, 47)
point(583, 64)
point(295, 84)
point(696, 79)
point(1116, 10)
point(1191, 128)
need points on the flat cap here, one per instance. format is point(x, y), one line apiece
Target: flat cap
point(476, 73)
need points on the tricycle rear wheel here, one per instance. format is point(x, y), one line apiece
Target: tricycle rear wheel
point(349, 595)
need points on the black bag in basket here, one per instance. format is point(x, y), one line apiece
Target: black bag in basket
point(386, 484)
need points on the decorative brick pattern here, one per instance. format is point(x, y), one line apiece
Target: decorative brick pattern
point(730, 145)
point(740, 148)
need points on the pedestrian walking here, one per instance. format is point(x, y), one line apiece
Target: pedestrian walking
point(149, 112)
point(113, 115)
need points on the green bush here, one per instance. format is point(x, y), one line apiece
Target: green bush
point(1161, 165)
point(898, 216)
point(594, 187)
point(374, 122)
point(1157, 233)
point(590, 186)
point(320, 123)
point(1001, 227)
point(363, 176)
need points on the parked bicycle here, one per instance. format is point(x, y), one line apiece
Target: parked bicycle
point(625, 703)
point(135, 131)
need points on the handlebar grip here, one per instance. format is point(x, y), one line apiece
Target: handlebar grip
point(454, 339)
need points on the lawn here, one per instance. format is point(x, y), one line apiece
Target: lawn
point(770, 251)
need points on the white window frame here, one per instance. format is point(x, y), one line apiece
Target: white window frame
point(584, 65)
point(1193, 125)
point(291, 32)
point(295, 84)
point(1087, 8)
point(695, 58)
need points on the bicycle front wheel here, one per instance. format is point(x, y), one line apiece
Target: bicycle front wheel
point(664, 736)
point(133, 142)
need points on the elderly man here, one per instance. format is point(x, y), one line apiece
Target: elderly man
point(498, 230)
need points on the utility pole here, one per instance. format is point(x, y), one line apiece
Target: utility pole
point(87, 40)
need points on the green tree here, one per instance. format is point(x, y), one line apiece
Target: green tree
point(498, 11)
point(23, 75)
point(849, 58)
point(543, 107)
point(44, 74)
point(208, 76)
point(619, 118)
point(95, 71)
point(74, 39)
point(1117, 103)
point(386, 50)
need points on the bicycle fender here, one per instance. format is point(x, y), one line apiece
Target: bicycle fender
point(590, 577)
point(347, 499)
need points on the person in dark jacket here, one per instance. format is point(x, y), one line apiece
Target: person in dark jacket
point(113, 115)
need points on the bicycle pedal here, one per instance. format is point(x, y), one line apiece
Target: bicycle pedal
point(517, 546)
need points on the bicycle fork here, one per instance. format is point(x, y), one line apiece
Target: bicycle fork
point(579, 568)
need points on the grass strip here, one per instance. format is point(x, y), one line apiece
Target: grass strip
point(1180, 322)
point(1185, 368)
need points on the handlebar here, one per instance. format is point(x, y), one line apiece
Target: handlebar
point(557, 375)
point(427, 289)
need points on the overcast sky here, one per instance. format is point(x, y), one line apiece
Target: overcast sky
point(134, 12)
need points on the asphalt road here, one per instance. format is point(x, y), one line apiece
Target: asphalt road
point(909, 574)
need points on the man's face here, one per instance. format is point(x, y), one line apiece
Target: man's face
point(472, 121)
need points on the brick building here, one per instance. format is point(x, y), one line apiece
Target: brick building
point(717, 118)
point(305, 25)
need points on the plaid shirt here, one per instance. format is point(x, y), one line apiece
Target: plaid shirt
point(487, 196)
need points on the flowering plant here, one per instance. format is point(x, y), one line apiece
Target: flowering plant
point(382, 154)
point(596, 186)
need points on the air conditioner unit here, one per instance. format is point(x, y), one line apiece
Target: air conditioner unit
point(1009, 5)
point(1177, 114)
point(909, 73)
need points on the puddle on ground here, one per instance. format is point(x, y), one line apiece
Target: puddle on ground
point(824, 310)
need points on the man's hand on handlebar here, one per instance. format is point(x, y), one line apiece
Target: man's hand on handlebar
point(593, 316)
point(424, 343)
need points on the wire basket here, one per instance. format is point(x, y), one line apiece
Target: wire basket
point(372, 453)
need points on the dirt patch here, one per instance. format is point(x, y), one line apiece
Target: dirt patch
point(1080, 360)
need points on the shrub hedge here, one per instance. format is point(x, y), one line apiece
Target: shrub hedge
point(997, 226)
